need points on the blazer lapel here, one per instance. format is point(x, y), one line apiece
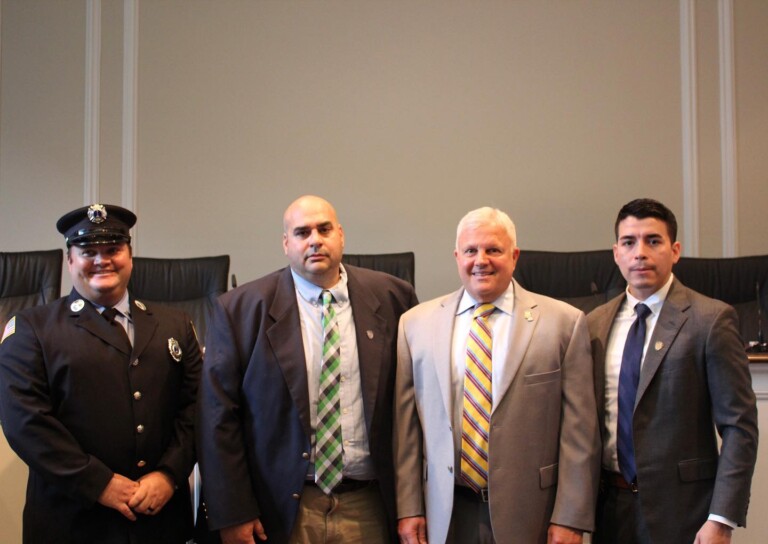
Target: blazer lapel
point(285, 339)
point(525, 316)
point(442, 344)
point(144, 326)
point(89, 319)
point(599, 345)
point(371, 334)
point(671, 320)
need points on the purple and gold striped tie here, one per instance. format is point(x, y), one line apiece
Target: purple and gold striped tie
point(476, 420)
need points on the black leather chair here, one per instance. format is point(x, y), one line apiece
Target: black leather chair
point(739, 281)
point(584, 279)
point(190, 284)
point(401, 265)
point(28, 278)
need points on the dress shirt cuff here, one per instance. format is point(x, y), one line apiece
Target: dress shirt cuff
point(724, 521)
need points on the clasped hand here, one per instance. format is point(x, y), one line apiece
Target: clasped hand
point(146, 496)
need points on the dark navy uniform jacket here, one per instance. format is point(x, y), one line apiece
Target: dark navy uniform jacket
point(77, 404)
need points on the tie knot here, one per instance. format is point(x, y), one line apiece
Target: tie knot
point(642, 311)
point(110, 314)
point(483, 310)
point(326, 297)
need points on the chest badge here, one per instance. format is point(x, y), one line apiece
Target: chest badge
point(174, 349)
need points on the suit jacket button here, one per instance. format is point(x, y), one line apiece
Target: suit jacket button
point(305, 455)
point(296, 496)
point(137, 395)
point(141, 464)
point(450, 469)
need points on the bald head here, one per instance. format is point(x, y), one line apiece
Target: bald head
point(313, 240)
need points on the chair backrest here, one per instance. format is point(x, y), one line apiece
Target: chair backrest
point(735, 280)
point(584, 279)
point(28, 278)
point(401, 265)
point(190, 284)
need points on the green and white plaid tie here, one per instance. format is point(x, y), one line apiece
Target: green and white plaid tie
point(329, 462)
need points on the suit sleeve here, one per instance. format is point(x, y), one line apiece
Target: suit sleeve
point(35, 434)
point(220, 432)
point(408, 439)
point(579, 458)
point(178, 460)
point(735, 414)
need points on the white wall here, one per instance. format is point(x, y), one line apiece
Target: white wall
point(404, 114)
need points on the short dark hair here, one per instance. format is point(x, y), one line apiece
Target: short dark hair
point(643, 208)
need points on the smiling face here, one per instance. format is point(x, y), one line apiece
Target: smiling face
point(313, 240)
point(645, 254)
point(100, 273)
point(486, 258)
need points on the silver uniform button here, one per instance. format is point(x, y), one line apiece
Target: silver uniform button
point(137, 395)
point(139, 429)
point(305, 455)
point(141, 463)
point(135, 362)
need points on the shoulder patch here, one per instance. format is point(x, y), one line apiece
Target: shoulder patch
point(10, 328)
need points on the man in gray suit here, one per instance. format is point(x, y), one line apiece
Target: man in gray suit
point(496, 430)
point(661, 379)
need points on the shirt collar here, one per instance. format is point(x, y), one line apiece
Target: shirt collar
point(123, 306)
point(505, 302)
point(311, 292)
point(655, 301)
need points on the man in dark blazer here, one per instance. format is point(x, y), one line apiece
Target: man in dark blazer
point(259, 397)
point(101, 407)
point(664, 480)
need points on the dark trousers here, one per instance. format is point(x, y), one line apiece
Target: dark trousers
point(470, 520)
point(619, 518)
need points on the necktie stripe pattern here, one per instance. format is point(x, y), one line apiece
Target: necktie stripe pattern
point(476, 419)
point(329, 463)
point(629, 377)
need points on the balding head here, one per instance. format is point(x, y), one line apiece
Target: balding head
point(313, 240)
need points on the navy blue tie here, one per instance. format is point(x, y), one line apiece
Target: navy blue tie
point(628, 380)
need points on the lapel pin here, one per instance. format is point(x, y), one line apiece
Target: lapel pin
point(369, 333)
point(174, 349)
point(77, 305)
point(528, 316)
point(140, 305)
point(659, 345)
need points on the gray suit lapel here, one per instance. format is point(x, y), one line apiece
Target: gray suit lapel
point(525, 317)
point(285, 339)
point(442, 345)
point(601, 334)
point(671, 320)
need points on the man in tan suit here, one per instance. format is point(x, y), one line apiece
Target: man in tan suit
point(523, 467)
